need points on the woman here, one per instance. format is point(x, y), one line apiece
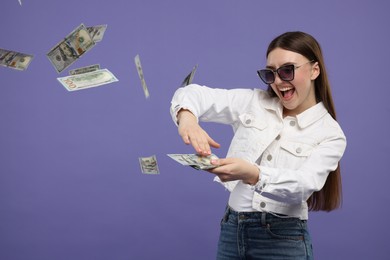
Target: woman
point(284, 157)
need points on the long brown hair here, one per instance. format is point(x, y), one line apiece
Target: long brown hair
point(330, 196)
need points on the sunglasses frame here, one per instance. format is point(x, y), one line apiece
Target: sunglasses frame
point(294, 67)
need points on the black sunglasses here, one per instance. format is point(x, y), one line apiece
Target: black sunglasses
point(286, 73)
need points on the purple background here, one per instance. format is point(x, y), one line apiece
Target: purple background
point(70, 182)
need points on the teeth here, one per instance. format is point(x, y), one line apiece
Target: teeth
point(285, 89)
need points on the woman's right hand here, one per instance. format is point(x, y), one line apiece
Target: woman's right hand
point(191, 133)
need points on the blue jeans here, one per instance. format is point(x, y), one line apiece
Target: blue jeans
point(258, 235)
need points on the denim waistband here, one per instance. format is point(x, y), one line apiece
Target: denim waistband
point(256, 216)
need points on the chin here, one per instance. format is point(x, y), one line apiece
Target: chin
point(289, 108)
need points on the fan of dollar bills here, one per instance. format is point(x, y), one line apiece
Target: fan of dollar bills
point(195, 161)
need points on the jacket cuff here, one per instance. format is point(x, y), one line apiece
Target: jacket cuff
point(175, 108)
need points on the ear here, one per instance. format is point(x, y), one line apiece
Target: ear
point(315, 71)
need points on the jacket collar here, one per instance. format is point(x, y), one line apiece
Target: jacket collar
point(275, 105)
point(311, 115)
point(305, 118)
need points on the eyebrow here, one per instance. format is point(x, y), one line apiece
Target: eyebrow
point(284, 64)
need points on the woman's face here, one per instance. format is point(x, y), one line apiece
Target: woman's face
point(299, 94)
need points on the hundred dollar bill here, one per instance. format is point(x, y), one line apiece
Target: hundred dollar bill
point(71, 48)
point(15, 60)
point(97, 32)
point(188, 79)
point(84, 69)
point(195, 161)
point(141, 75)
point(149, 165)
point(87, 80)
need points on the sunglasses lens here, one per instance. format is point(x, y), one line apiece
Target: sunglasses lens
point(267, 76)
point(286, 72)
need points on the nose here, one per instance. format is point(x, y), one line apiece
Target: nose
point(277, 80)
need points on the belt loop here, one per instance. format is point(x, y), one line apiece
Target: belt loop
point(263, 220)
point(226, 215)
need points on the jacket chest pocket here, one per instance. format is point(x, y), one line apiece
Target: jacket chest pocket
point(250, 121)
point(295, 153)
point(297, 149)
point(248, 135)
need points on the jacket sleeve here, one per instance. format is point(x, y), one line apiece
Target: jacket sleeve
point(211, 104)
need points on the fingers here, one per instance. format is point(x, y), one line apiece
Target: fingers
point(222, 163)
point(222, 170)
point(230, 169)
point(193, 134)
point(213, 143)
point(205, 143)
point(186, 139)
point(200, 145)
point(200, 141)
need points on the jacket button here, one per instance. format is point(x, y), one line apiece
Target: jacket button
point(299, 150)
point(269, 157)
point(262, 204)
point(278, 137)
point(248, 121)
point(292, 123)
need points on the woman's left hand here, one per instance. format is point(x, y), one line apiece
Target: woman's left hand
point(231, 169)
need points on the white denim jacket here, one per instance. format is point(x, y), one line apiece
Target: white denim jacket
point(304, 148)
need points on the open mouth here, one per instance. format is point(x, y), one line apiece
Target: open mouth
point(287, 92)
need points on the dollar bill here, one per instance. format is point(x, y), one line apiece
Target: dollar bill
point(97, 32)
point(195, 161)
point(188, 79)
point(84, 69)
point(15, 60)
point(149, 165)
point(141, 75)
point(71, 48)
point(87, 80)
